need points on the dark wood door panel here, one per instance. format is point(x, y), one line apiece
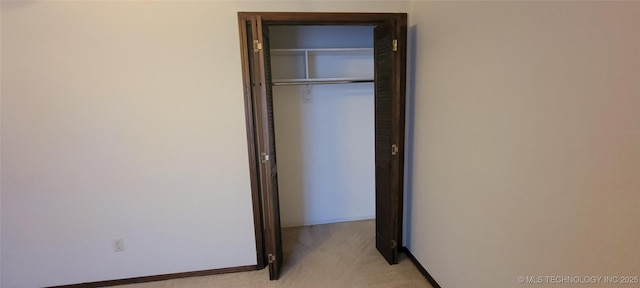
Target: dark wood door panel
point(385, 212)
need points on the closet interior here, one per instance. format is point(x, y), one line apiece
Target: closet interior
point(323, 105)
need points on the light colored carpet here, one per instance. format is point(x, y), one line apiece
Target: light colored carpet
point(330, 255)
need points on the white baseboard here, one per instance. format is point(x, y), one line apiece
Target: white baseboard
point(327, 221)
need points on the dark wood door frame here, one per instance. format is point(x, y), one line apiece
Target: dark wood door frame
point(247, 21)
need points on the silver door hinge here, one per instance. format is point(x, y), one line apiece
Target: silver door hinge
point(394, 149)
point(394, 244)
point(394, 44)
point(271, 258)
point(257, 46)
point(265, 157)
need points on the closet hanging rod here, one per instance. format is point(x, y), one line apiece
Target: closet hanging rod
point(312, 82)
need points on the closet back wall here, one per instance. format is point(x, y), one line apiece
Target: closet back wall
point(325, 148)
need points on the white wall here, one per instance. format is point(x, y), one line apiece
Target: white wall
point(325, 148)
point(109, 132)
point(526, 130)
point(125, 120)
point(325, 151)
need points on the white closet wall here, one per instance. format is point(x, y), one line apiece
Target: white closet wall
point(325, 147)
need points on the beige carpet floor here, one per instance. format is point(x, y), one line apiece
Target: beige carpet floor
point(330, 255)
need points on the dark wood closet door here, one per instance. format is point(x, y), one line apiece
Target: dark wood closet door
point(268, 167)
point(385, 147)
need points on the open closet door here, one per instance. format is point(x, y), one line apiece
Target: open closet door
point(267, 145)
point(386, 144)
